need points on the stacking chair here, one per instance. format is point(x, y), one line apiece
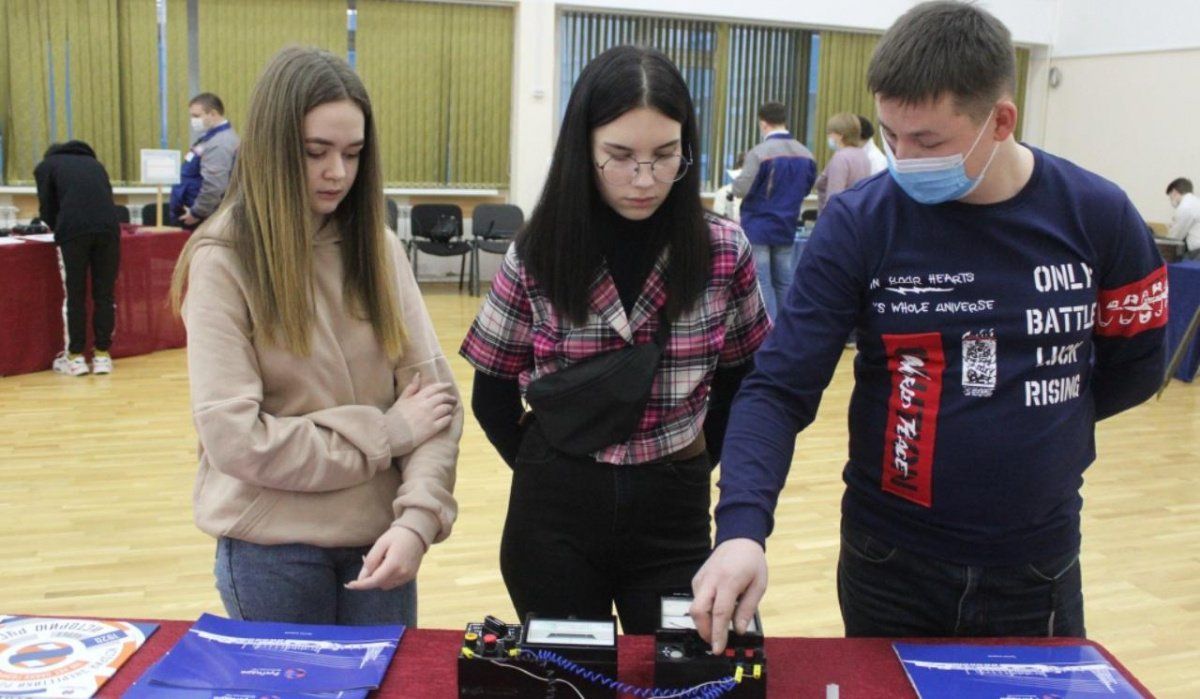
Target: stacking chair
point(493, 227)
point(437, 229)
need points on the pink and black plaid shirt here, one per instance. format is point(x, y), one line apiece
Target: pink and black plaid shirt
point(518, 335)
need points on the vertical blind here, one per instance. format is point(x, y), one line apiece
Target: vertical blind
point(60, 55)
point(440, 78)
point(237, 38)
point(841, 84)
point(730, 70)
point(137, 29)
point(439, 75)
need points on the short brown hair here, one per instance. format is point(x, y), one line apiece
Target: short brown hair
point(847, 126)
point(209, 103)
point(773, 113)
point(945, 47)
point(1180, 184)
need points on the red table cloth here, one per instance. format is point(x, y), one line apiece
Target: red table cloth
point(425, 666)
point(31, 300)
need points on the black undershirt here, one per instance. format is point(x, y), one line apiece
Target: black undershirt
point(630, 249)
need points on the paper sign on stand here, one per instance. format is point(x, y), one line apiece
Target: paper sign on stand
point(160, 167)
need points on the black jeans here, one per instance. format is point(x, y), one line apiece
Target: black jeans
point(101, 254)
point(581, 535)
point(887, 591)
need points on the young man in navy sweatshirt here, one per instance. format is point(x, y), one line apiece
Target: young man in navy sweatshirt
point(1005, 301)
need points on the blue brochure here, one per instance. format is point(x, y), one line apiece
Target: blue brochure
point(249, 656)
point(1043, 672)
point(144, 688)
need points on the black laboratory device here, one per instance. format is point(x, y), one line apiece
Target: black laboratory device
point(683, 659)
point(502, 660)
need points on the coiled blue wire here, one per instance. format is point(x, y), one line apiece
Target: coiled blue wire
point(706, 691)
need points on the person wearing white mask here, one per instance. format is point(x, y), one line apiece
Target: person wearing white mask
point(1005, 300)
point(876, 156)
point(849, 162)
point(204, 176)
point(1185, 224)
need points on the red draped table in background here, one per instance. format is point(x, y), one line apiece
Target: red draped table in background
point(31, 300)
point(425, 666)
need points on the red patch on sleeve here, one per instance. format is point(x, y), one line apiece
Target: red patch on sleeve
point(1133, 308)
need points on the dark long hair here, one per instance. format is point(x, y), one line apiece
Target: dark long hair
point(560, 245)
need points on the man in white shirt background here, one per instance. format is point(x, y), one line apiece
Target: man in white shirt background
point(876, 156)
point(1185, 225)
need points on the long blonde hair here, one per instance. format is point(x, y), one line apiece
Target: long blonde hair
point(267, 207)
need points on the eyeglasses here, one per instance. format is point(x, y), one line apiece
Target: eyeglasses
point(665, 169)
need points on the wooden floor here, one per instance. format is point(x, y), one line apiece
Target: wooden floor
point(96, 480)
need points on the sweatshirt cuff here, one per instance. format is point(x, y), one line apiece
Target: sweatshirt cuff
point(743, 522)
point(399, 435)
point(423, 523)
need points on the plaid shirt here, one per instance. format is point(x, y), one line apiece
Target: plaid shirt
point(518, 335)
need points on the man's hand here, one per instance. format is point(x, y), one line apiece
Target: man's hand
point(392, 561)
point(729, 585)
point(186, 219)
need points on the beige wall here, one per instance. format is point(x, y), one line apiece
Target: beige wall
point(1131, 118)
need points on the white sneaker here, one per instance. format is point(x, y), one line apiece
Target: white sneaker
point(71, 366)
point(102, 364)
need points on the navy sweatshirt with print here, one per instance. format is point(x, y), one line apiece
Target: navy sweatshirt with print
point(991, 340)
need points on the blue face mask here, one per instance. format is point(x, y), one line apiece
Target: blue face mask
point(940, 179)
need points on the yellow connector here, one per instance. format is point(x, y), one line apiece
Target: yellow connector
point(758, 672)
point(738, 674)
point(513, 652)
point(468, 653)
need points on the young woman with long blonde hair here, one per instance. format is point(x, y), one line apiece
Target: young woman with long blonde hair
point(327, 415)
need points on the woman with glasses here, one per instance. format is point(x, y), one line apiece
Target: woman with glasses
point(619, 285)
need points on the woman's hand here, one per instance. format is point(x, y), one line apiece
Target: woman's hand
point(392, 561)
point(424, 411)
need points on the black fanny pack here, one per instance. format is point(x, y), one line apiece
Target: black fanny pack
point(599, 401)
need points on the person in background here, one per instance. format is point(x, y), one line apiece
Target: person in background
point(876, 156)
point(1185, 224)
point(1006, 301)
point(777, 176)
point(617, 257)
point(206, 169)
point(75, 199)
point(849, 162)
point(724, 203)
point(326, 412)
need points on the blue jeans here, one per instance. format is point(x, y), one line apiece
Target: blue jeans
point(887, 591)
point(798, 251)
point(303, 584)
point(773, 264)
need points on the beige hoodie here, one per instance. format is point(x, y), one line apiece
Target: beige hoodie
point(295, 449)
